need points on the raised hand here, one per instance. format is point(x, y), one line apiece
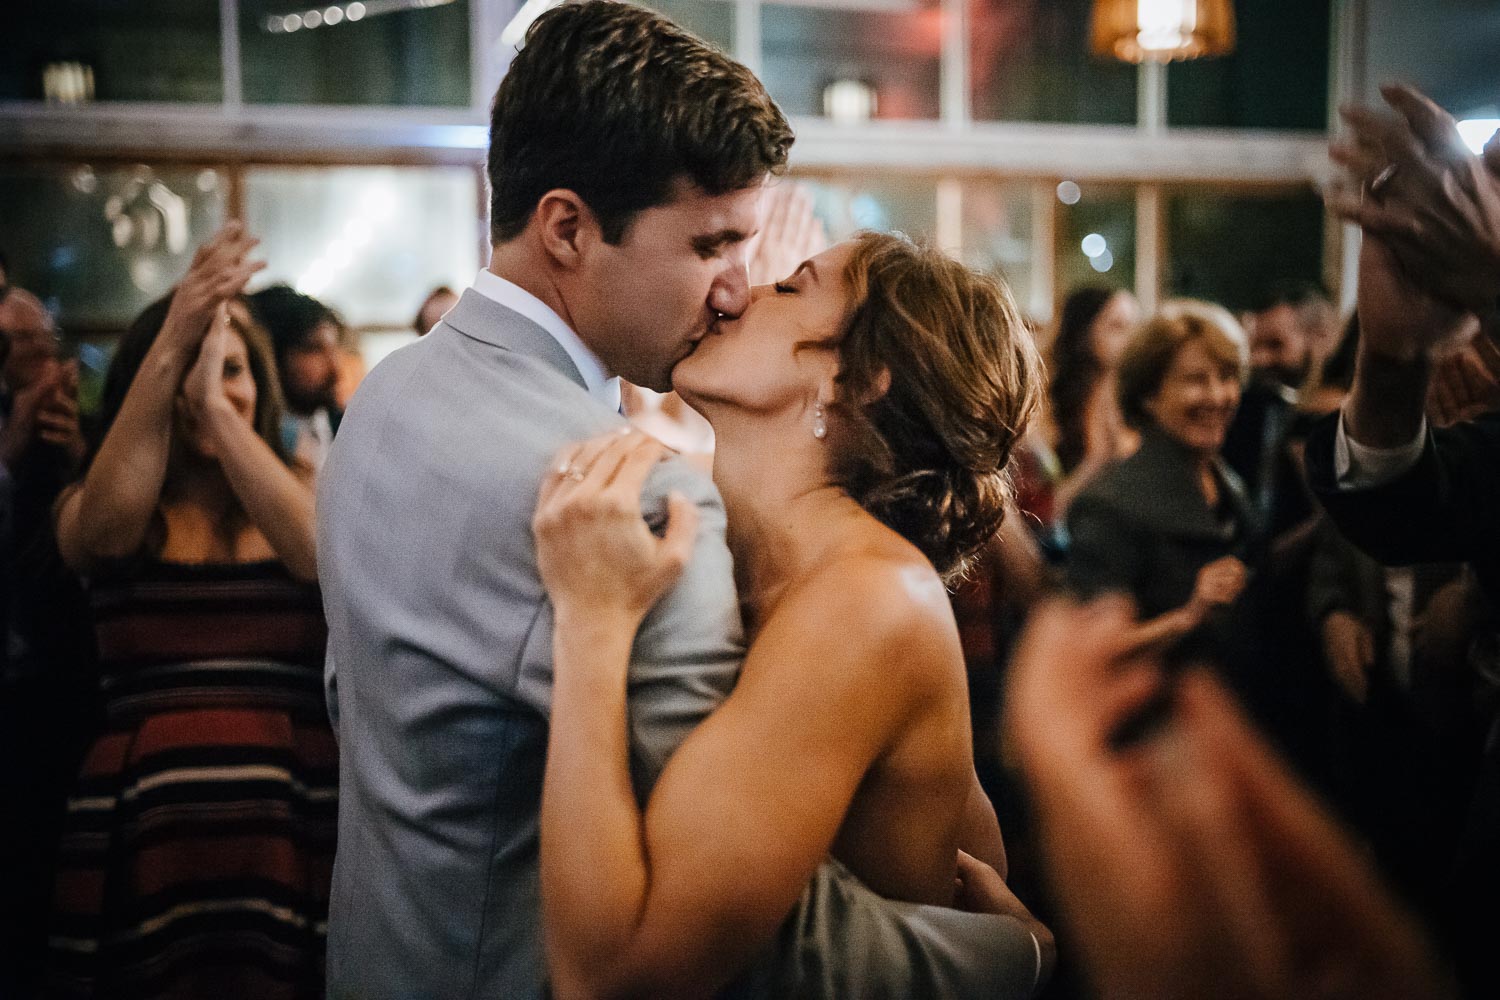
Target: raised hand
point(789, 233)
point(1399, 319)
point(218, 272)
point(1186, 860)
point(1432, 202)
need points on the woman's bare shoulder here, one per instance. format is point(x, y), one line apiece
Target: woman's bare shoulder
point(876, 605)
point(894, 582)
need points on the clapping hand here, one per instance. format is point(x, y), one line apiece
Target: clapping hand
point(46, 411)
point(789, 233)
point(21, 426)
point(1349, 647)
point(1465, 383)
point(202, 399)
point(1186, 860)
point(1434, 204)
point(57, 420)
point(218, 272)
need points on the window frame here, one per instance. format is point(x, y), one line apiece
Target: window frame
point(1150, 156)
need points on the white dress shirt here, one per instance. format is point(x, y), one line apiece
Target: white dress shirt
point(1359, 467)
point(511, 295)
point(314, 437)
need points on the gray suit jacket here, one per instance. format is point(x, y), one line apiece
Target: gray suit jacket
point(439, 682)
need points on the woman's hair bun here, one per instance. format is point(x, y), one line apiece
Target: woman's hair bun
point(928, 453)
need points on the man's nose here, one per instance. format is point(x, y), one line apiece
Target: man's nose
point(730, 294)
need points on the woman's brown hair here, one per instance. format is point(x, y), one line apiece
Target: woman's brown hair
point(927, 453)
point(130, 354)
point(125, 365)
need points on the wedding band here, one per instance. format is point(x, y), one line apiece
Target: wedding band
point(571, 471)
point(1382, 179)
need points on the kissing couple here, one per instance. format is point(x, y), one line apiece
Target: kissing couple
point(608, 727)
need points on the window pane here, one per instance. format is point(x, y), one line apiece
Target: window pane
point(710, 20)
point(418, 55)
point(997, 233)
point(1230, 248)
point(1029, 61)
point(97, 244)
point(144, 50)
point(370, 241)
point(1277, 76)
point(892, 51)
point(1096, 239)
point(847, 205)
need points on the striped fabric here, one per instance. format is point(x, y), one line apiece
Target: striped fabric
point(199, 839)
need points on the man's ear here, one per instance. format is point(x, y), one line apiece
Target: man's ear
point(566, 226)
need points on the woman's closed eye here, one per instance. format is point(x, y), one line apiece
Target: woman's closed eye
point(784, 287)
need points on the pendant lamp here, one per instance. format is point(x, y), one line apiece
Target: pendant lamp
point(1162, 30)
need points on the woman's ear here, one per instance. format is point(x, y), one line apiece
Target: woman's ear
point(878, 388)
point(565, 225)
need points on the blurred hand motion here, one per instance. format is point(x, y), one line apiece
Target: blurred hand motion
point(1417, 189)
point(789, 233)
point(1186, 860)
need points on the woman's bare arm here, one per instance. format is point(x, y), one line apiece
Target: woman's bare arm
point(673, 901)
point(278, 502)
point(1218, 583)
point(108, 514)
point(980, 834)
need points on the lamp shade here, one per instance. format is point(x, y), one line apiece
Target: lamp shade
point(1162, 30)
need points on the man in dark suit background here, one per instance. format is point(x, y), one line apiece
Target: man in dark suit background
point(1400, 489)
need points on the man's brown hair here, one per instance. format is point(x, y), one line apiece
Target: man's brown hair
point(614, 103)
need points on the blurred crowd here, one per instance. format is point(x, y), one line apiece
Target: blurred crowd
point(1234, 660)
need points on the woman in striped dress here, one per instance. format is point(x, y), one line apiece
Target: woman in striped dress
point(199, 840)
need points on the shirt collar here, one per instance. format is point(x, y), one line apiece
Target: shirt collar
point(511, 295)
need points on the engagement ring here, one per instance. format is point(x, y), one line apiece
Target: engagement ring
point(1382, 179)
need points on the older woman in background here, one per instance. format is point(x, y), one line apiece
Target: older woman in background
point(199, 841)
point(1171, 526)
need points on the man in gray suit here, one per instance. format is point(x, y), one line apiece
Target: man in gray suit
point(625, 167)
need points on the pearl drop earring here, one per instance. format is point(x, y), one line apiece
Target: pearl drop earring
point(820, 427)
